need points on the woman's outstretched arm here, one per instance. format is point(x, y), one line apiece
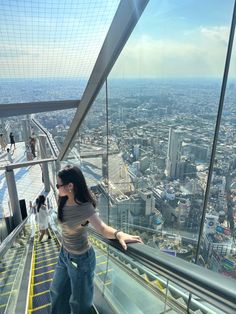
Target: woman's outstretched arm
point(111, 233)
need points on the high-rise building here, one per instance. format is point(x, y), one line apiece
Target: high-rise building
point(173, 152)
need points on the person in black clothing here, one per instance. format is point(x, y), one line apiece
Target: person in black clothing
point(32, 142)
point(12, 140)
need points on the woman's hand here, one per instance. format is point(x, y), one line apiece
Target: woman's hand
point(124, 238)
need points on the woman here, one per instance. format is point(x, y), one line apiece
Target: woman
point(72, 286)
point(42, 218)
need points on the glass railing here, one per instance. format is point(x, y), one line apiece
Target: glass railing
point(13, 255)
point(179, 285)
point(144, 280)
point(149, 145)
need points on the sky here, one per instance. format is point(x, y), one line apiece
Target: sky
point(62, 38)
point(52, 38)
point(179, 38)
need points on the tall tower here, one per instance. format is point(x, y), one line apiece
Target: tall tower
point(173, 152)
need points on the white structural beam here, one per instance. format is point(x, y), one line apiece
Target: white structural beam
point(125, 19)
point(26, 164)
point(10, 110)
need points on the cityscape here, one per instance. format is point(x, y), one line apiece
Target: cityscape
point(149, 165)
point(141, 96)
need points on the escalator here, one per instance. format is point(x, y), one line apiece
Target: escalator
point(44, 260)
point(9, 272)
point(122, 281)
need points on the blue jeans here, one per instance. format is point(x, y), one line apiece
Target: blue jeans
point(72, 287)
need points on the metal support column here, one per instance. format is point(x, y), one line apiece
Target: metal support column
point(26, 131)
point(44, 166)
point(13, 196)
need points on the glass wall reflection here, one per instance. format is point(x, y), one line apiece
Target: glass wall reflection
point(89, 151)
point(163, 97)
point(218, 246)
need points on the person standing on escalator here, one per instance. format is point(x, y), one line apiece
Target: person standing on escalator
point(42, 217)
point(72, 286)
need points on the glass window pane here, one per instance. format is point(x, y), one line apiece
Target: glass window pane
point(49, 48)
point(163, 100)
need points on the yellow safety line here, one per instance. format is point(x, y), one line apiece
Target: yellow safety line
point(48, 259)
point(14, 255)
point(45, 266)
point(6, 293)
point(2, 305)
point(103, 272)
point(101, 263)
point(40, 293)
point(6, 271)
point(40, 255)
point(44, 244)
point(158, 284)
point(100, 256)
point(39, 283)
point(47, 272)
point(44, 251)
point(107, 283)
point(7, 276)
point(31, 283)
point(41, 246)
point(7, 284)
point(14, 252)
point(13, 259)
point(39, 308)
point(46, 255)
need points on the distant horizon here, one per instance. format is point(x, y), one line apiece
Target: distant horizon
point(172, 40)
point(121, 78)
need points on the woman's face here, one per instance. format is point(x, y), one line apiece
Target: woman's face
point(62, 189)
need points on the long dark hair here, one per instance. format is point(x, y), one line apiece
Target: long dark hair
point(82, 194)
point(41, 201)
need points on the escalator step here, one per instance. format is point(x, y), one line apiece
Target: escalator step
point(44, 253)
point(7, 273)
point(47, 243)
point(47, 260)
point(40, 300)
point(46, 250)
point(7, 279)
point(13, 260)
point(44, 310)
point(44, 247)
point(46, 263)
point(46, 256)
point(41, 256)
point(42, 287)
point(8, 268)
point(44, 277)
point(4, 299)
point(5, 289)
point(44, 269)
point(2, 308)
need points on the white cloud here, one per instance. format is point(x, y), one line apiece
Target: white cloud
point(218, 34)
point(200, 52)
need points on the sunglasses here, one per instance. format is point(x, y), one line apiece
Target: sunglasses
point(59, 185)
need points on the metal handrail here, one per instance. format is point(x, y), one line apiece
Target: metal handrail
point(54, 148)
point(7, 243)
point(210, 286)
